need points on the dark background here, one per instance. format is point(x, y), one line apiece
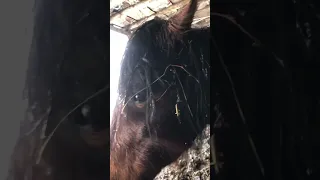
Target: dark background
point(276, 81)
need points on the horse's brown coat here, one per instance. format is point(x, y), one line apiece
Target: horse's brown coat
point(147, 135)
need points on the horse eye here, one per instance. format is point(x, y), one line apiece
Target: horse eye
point(140, 100)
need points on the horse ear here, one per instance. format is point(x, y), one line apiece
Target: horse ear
point(183, 20)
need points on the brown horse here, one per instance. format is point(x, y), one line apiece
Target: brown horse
point(164, 96)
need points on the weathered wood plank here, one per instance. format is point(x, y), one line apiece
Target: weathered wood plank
point(122, 31)
point(170, 11)
point(174, 7)
point(140, 5)
point(146, 10)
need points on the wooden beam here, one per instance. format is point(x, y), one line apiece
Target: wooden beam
point(202, 23)
point(202, 13)
point(119, 30)
point(139, 5)
point(178, 5)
